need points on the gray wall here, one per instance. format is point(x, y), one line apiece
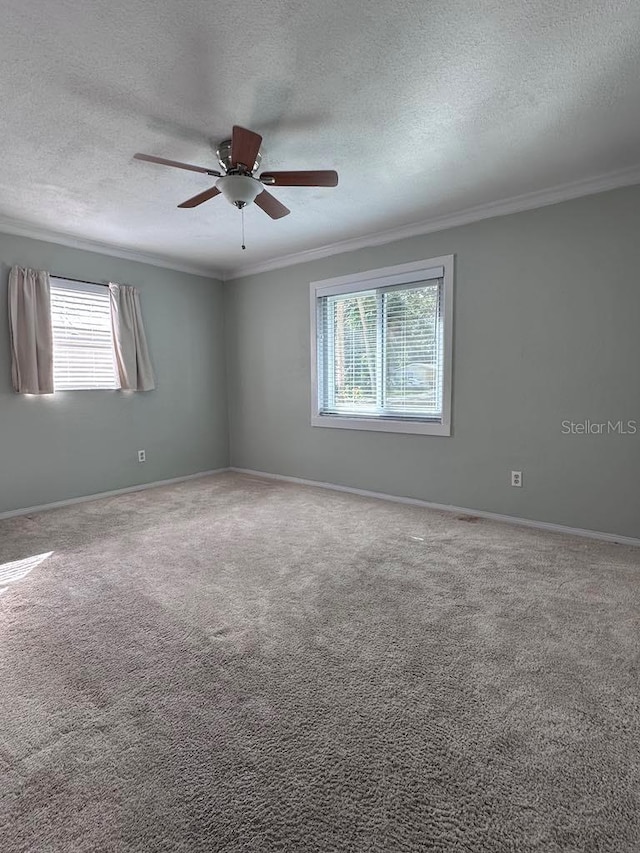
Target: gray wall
point(84, 442)
point(547, 329)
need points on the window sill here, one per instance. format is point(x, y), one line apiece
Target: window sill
point(412, 427)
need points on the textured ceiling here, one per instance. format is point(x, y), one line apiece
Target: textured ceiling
point(425, 107)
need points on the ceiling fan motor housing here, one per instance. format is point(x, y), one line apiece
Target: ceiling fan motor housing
point(240, 190)
point(223, 153)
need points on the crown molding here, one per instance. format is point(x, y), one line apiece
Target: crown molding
point(503, 207)
point(20, 228)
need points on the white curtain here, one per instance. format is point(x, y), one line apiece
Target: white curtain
point(30, 331)
point(130, 342)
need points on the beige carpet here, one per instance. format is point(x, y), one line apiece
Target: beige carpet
point(232, 664)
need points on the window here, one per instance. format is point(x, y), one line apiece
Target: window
point(83, 353)
point(381, 349)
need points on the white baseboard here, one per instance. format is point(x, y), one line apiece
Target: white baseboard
point(492, 516)
point(139, 488)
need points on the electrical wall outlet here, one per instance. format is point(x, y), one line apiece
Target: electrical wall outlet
point(516, 478)
point(142, 456)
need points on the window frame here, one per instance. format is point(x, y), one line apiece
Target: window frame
point(415, 271)
point(88, 287)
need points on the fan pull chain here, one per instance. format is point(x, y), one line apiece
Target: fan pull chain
point(242, 212)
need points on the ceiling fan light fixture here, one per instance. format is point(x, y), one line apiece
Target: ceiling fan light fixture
point(240, 190)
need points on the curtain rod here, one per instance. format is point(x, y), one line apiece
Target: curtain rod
point(77, 280)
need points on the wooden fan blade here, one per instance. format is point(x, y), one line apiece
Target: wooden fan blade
point(149, 158)
point(200, 198)
point(321, 178)
point(271, 206)
point(245, 145)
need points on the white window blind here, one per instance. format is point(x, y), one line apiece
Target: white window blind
point(83, 353)
point(380, 352)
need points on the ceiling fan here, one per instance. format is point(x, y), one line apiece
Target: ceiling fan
point(240, 157)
